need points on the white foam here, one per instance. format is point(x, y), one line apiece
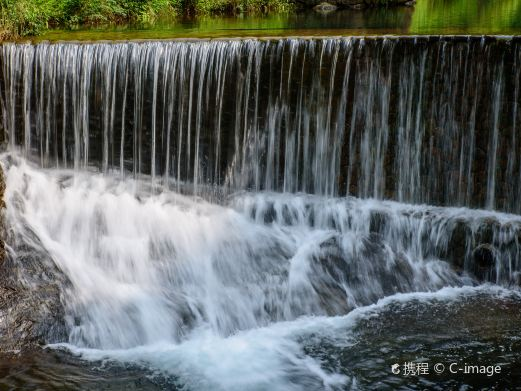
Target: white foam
point(211, 294)
point(269, 357)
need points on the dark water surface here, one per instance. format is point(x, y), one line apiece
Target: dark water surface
point(427, 17)
point(57, 370)
point(480, 329)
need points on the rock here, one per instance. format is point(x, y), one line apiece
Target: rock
point(378, 221)
point(31, 310)
point(457, 246)
point(484, 256)
point(325, 8)
point(353, 4)
point(484, 260)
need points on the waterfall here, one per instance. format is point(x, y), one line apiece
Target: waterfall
point(229, 212)
point(417, 120)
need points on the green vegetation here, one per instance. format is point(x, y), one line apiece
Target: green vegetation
point(31, 17)
point(240, 6)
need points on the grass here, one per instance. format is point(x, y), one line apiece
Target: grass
point(32, 17)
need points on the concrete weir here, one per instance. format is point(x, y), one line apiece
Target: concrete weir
point(430, 120)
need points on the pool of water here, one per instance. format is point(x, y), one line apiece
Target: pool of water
point(427, 17)
point(452, 332)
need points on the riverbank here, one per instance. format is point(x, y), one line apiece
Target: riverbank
point(20, 18)
point(27, 17)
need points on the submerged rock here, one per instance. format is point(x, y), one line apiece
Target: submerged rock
point(31, 311)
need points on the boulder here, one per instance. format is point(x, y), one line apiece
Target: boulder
point(31, 310)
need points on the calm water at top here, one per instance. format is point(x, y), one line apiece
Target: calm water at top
point(427, 17)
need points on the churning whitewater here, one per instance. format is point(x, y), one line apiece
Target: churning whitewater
point(226, 296)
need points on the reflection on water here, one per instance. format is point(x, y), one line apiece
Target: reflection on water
point(467, 17)
point(427, 17)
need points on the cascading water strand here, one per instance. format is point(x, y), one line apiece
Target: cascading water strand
point(419, 120)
